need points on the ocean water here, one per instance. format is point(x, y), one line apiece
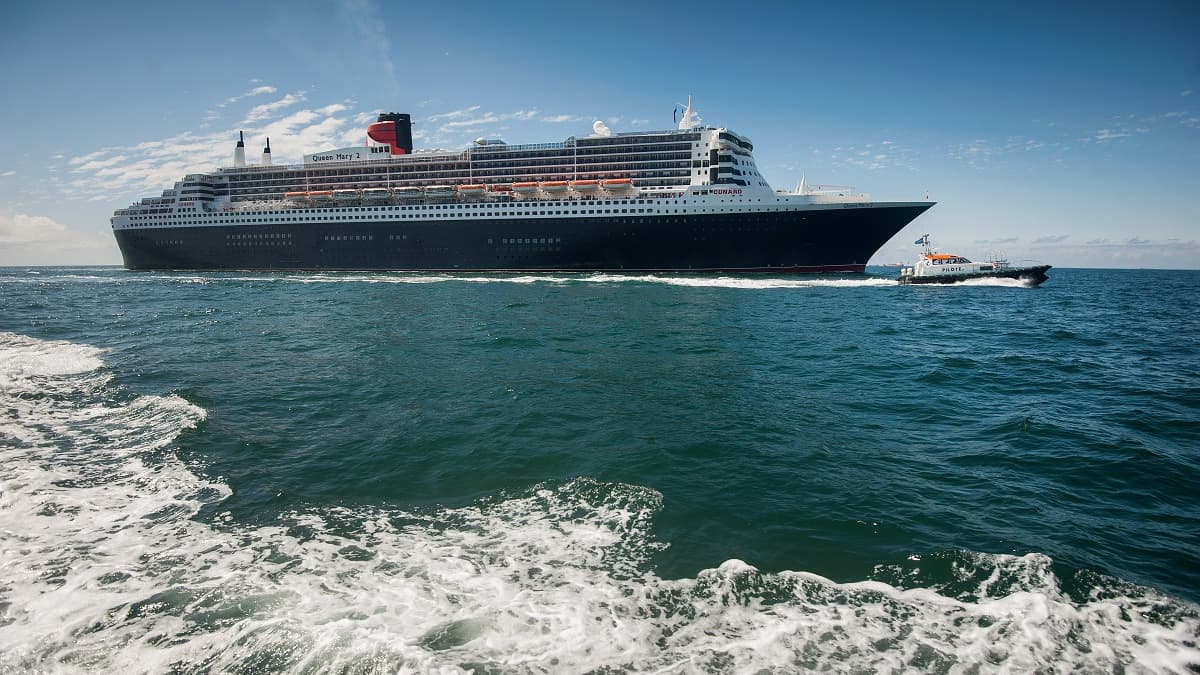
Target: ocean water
point(598, 474)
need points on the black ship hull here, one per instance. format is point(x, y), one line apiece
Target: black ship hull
point(824, 239)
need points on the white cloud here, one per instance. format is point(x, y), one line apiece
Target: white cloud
point(562, 118)
point(486, 118)
point(261, 112)
point(983, 152)
point(872, 156)
point(215, 112)
point(1186, 92)
point(88, 157)
point(1105, 135)
point(148, 167)
point(27, 239)
point(9, 173)
point(453, 114)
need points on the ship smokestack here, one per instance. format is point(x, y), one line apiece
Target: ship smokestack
point(266, 158)
point(394, 129)
point(239, 153)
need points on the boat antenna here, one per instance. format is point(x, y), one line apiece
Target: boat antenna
point(924, 242)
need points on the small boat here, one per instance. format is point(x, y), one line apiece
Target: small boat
point(472, 190)
point(407, 192)
point(945, 268)
point(554, 186)
point(617, 183)
point(440, 191)
point(296, 197)
point(585, 185)
point(525, 188)
point(375, 195)
point(323, 196)
point(346, 195)
point(499, 187)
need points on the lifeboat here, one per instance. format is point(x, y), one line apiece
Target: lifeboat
point(407, 192)
point(343, 196)
point(525, 188)
point(554, 186)
point(321, 195)
point(376, 195)
point(440, 191)
point(500, 187)
point(471, 190)
point(296, 197)
point(617, 183)
point(585, 185)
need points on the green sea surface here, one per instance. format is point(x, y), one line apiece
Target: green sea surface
point(598, 473)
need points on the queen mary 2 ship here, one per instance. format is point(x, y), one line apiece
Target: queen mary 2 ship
point(685, 200)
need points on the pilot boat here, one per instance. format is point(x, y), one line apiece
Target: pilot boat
point(946, 268)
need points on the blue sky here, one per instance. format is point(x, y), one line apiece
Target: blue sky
point(1068, 133)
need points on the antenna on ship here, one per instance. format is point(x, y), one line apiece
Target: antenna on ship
point(239, 152)
point(266, 158)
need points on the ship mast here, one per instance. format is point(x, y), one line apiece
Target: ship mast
point(924, 242)
point(690, 119)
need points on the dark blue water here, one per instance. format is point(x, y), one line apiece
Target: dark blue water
point(381, 472)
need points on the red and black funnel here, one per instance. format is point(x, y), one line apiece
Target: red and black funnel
point(395, 129)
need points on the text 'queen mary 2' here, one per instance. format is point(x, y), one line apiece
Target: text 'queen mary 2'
point(688, 199)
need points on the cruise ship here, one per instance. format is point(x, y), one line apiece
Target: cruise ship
point(688, 199)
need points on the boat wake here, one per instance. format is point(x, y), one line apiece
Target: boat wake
point(110, 563)
point(1003, 283)
point(751, 282)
